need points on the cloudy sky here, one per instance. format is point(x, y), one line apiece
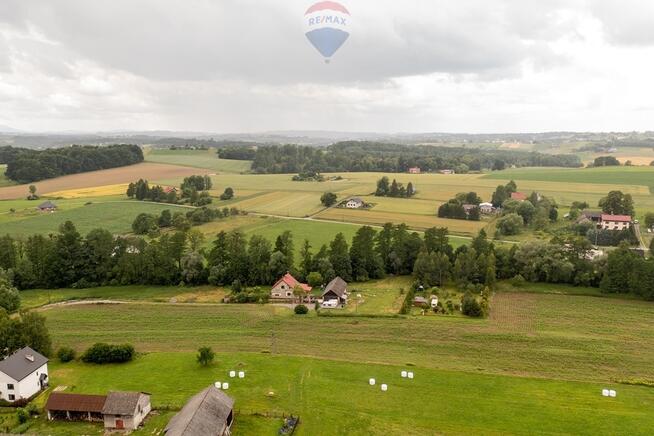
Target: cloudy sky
point(246, 66)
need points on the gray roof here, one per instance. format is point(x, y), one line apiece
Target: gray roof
point(205, 414)
point(338, 286)
point(22, 363)
point(357, 199)
point(47, 205)
point(121, 403)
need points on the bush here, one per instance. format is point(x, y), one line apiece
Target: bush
point(65, 354)
point(518, 281)
point(205, 356)
point(510, 224)
point(22, 416)
point(101, 353)
point(471, 307)
point(301, 309)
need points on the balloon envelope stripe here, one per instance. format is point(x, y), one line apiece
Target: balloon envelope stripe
point(327, 5)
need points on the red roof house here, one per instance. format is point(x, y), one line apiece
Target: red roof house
point(518, 196)
point(284, 287)
point(616, 222)
point(414, 170)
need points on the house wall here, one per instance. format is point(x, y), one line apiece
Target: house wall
point(131, 422)
point(25, 388)
point(615, 225)
point(282, 290)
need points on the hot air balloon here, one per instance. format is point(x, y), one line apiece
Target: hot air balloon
point(326, 26)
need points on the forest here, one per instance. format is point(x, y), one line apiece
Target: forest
point(394, 158)
point(26, 165)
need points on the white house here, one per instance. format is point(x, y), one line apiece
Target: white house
point(486, 208)
point(22, 375)
point(354, 203)
point(616, 222)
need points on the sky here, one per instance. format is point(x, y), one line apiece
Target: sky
point(241, 66)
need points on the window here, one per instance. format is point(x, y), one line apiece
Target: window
point(10, 387)
point(12, 397)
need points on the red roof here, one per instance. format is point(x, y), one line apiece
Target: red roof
point(63, 402)
point(518, 196)
point(616, 218)
point(292, 282)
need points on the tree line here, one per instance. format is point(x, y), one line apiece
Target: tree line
point(27, 165)
point(394, 189)
point(358, 156)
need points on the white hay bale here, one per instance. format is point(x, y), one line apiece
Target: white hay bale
point(225, 386)
point(410, 375)
point(384, 387)
point(613, 394)
point(232, 374)
point(217, 385)
point(403, 373)
point(372, 381)
point(241, 374)
point(605, 392)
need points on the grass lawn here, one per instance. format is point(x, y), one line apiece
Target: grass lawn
point(334, 397)
point(531, 334)
point(207, 159)
point(115, 216)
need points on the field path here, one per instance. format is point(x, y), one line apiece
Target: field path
point(113, 176)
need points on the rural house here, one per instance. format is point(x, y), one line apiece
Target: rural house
point(616, 222)
point(468, 208)
point(284, 287)
point(335, 293)
point(209, 413)
point(448, 172)
point(22, 375)
point(47, 206)
point(589, 215)
point(519, 196)
point(75, 407)
point(486, 208)
point(125, 410)
point(118, 410)
point(414, 170)
point(354, 203)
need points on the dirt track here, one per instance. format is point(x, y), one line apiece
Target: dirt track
point(114, 176)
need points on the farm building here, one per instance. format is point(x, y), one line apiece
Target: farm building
point(616, 222)
point(75, 407)
point(47, 206)
point(487, 208)
point(468, 208)
point(414, 170)
point(125, 410)
point(118, 410)
point(22, 375)
point(209, 413)
point(519, 196)
point(594, 216)
point(448, 172)
point(354, 203)
point(336, 291)
point(420, 301)
point(284, 287)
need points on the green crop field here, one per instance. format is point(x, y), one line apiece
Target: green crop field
point(115, 216)
point(207, 159)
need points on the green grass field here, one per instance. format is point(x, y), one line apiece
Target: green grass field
point(115, 216)
point(334, 397)
point(207, 159)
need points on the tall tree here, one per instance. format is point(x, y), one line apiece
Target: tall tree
point(339, 257)
point(366, 262)
point(284, 244)
point(617, 203)
point(306, 260)
point(259, 252)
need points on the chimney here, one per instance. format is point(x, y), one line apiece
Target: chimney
point(29, 357)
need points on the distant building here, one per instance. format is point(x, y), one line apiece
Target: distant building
point(446, 172)
point(616, 222)
point(283, 288)
point(47, 206)
point(487, 208)
point(519, 196)
point(414, 170)
point(75, 407)
point(420, 301)
point(125, 410)
point(354, 203)
point(208, 413)
point(593, 216)
point(22, 375)
point(468, 208)
point(336, 292)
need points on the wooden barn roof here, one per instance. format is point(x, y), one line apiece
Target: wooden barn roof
point(62, 402)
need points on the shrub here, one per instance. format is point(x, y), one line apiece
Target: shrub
point(205, 356)
point(65, 354)
point(301, 309)
point(518, 281)
point(22, 416)
point(101, 353)
point(470, 306)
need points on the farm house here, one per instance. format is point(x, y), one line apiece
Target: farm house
point(208, 413)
